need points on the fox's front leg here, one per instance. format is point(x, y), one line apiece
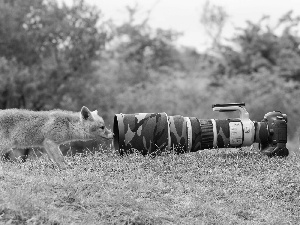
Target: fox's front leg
point(3, 150)
point(54, 153)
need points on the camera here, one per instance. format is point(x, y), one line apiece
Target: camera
point(154, 133)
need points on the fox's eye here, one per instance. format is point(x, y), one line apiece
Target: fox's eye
point(102, 127)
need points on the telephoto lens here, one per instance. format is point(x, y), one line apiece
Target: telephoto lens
point(154, 133)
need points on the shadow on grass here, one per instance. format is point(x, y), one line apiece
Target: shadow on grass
point(10, 216)
point(231, 153)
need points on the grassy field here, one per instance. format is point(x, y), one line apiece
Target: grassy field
point(207, 187)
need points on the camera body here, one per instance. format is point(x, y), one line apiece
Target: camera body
point(154, 133)
point(270, 133)
point(277, 134)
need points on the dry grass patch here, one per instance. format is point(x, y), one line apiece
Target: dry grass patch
point(209, 187)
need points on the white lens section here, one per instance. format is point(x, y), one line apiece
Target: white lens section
point(169, 134)
point(189, 133)
point(249, 132)
point(236, 133)
point(215, 133)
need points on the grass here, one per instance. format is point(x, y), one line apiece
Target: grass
point(207, 187)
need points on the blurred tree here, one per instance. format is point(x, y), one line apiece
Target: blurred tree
point(260, 47)
point(14, 41)
point(213, 18)
point(56, 43)
point(141, 48)
point(37, 29)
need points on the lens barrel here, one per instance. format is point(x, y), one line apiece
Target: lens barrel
point(153, 133)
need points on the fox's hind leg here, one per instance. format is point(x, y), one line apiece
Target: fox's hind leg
point(16, 154)
point(54, 153)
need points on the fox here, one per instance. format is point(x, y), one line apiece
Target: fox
point(22, 128)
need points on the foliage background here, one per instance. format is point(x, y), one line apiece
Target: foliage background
point(65, 56)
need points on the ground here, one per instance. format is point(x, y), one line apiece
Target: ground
point(228, 186)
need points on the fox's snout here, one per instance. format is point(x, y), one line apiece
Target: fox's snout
point(108, 134)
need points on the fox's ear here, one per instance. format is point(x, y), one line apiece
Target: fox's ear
point(86, 114)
